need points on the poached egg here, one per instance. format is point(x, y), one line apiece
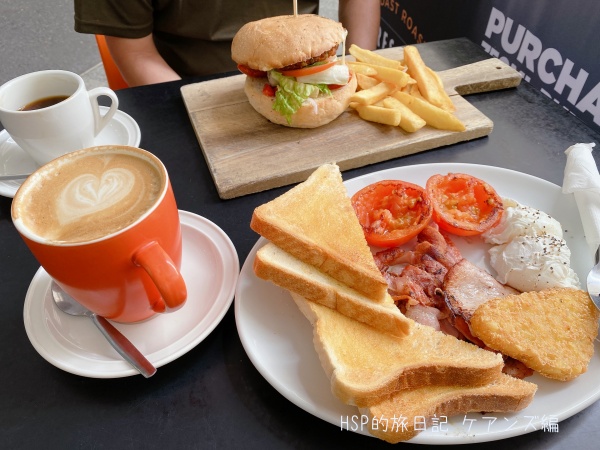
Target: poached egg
point(521, 220)
point(534, 263)
point(530, 253)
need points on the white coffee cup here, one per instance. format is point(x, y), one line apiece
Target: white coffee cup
point(52, 131)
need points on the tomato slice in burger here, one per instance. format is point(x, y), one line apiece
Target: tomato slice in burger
point(309, 70)
point(392, 212)
point(251, 72)
point(269, 90)
point(462, 204)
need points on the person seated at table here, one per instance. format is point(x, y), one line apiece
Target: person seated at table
point(154, 41)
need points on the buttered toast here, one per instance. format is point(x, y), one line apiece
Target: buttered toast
point(279, 267)
point(394, 419)
point(366, 366)
point(315, 222)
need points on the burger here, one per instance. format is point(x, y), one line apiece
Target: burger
point(294, 77)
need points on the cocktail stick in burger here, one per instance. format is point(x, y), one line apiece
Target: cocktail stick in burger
point(294, 77)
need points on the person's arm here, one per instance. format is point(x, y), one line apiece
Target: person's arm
point(361, 19)
point(139, 61)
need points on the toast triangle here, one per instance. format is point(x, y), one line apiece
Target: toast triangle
point(315, 222)
point(366, 366)
point(279, 267)
point(401, 416)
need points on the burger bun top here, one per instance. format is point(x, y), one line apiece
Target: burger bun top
point(281, 41)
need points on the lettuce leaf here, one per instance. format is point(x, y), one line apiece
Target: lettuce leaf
point(291, 94)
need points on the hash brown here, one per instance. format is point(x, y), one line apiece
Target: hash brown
point(550, 331)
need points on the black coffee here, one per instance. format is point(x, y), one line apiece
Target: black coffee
point(44, 102)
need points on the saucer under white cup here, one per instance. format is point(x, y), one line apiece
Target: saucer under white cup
point(121, 130)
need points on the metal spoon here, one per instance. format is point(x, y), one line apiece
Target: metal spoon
point(120, 343)
point(593, 281)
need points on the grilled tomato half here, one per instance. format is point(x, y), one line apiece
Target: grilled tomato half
point(463, 204)
point(392, 212)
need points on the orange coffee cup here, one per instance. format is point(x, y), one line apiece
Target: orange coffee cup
point(104, 224)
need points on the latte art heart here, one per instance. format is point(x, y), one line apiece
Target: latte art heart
point(88, 193)
point(91, 194)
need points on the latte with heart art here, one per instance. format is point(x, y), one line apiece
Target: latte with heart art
point(88, 195)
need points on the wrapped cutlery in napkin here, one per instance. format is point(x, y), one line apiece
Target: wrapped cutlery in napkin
point(581, 178)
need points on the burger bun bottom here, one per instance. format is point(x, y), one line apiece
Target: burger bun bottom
point(327, 108)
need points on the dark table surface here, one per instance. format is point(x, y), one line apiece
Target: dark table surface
point(213, 397)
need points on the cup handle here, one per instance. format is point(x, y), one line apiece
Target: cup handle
point(100, 120)
point(165, 276)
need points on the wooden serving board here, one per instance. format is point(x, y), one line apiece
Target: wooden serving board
point(246, 153)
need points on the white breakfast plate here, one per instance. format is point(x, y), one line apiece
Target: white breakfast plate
point(278, 339)
point(122, 129)
point(210, 268)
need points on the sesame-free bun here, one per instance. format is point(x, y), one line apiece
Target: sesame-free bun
point(310, 115)
point(281, 41)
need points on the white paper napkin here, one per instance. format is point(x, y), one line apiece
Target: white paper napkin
point(582, 179)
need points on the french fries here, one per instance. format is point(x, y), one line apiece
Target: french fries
point(381, 73)
point(430, 85)
point(394, 76)
point(434, 116)
point(373, 94)
point(410, 121)
point(365, 81)
point(367, 56)
point(362, 68)
point(385, 116)
point(410, 96)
